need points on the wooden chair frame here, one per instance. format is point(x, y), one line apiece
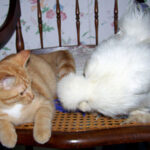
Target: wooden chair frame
point(81, 139)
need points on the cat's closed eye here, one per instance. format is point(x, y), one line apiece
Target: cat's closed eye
point(22, 92)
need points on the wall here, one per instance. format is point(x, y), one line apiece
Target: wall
point(30, 26)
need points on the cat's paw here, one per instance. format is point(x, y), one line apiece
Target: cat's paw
point(9, 140)
point(84, 106)
point(41, 135)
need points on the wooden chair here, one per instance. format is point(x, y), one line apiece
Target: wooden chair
point(73, 130)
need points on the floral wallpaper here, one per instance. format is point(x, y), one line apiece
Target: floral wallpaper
point(30, 30)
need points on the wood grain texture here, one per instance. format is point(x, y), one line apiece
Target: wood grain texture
point(9, 26)
point(58, 21)
point(96, 21)
point(116, 16)
point(19, 37)
point(78, 21)
point(90, 138)
point(39, 15)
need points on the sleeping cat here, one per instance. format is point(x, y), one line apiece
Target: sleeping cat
point(27, 90)
point(117, 76)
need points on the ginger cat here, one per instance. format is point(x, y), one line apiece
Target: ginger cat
point(27, 90)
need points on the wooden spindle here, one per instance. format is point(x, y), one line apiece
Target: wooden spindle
point(39, 14)
point(78, 21)
point(19, 38)
point(58, 20)
point(96, 21)
point(116, 17)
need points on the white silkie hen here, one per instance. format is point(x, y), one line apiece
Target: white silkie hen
point(117, 76)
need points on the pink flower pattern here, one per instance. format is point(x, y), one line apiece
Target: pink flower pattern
point(50, 14)
point(81, 14)
point(63, 16)
point(48, 9)
point(33, 1)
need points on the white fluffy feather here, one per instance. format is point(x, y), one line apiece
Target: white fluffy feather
point(72, 90)
point(135, 22)
point(117, 76)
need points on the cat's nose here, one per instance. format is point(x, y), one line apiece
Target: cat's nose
point(31, 96)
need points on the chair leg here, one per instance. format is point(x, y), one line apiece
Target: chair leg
point(3, 148)
point(28, 147)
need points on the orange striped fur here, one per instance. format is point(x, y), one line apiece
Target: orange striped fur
point(27, 90)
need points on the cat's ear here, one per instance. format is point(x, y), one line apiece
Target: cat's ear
point(7, 82)
point(22, 57)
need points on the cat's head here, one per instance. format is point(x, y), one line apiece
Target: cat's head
point(15, 84)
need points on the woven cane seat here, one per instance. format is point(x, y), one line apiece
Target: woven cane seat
point(65, 121)
point(78, 130)
point(78, 122)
